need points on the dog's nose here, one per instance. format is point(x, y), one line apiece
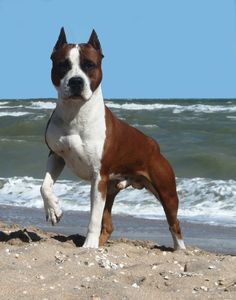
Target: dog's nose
point(76, 82)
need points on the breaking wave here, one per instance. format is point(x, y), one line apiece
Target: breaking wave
point(201, 200)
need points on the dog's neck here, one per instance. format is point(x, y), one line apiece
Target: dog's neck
point(83, 112)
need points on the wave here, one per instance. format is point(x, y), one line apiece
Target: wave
point(42, 105)
point(3, 103)
point(145, 125)
point(201, 200)
point(28, 104)
point(137, 106)
point(10, 140)
point(211, 201)
point(14, 113)
point(204, 108)
point(176, 108)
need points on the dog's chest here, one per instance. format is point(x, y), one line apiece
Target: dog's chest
point(81, 149)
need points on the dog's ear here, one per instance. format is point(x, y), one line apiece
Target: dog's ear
point(61, 40)
point(94, 41)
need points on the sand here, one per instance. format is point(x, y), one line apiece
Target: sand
point(35, 264)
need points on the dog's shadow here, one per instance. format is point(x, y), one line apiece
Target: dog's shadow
point(26, 236)
point(23, 235)
point(163, 248)
point(77, 239)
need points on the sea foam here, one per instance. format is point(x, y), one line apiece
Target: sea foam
point(14, 114)
point(176, 109)
point(201, 200)
point(42, 105)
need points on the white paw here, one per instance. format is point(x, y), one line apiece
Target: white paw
point(178, 243)
point(92, 241)
point(53, 214)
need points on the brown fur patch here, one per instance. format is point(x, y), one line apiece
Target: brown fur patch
point(88, 53)
point(57, 57)
point(102, 187)
point(176, 229)
point(127, 151)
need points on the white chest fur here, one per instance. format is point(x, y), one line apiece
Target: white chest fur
point(77, 134)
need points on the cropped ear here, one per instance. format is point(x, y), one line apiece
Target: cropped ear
point(61, 40)
point(94, 42)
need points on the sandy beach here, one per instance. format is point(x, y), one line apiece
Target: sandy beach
point(38, 264)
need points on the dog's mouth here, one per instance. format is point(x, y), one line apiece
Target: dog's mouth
point(75, 95)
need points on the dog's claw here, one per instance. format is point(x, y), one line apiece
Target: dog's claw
point(53, 216)
point(59, 217)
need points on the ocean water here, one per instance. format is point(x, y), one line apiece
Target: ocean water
point(197, 136)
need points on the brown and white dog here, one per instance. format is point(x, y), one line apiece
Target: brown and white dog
point(83, 134)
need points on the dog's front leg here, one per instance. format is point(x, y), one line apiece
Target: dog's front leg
point(55, 166)
point(98, 200)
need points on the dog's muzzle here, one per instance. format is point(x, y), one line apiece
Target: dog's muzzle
point(76, 85)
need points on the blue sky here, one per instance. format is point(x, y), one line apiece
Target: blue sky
point(152, 48)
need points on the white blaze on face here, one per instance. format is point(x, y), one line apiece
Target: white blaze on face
point(64, 89)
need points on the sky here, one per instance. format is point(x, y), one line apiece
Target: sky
point(152, 48)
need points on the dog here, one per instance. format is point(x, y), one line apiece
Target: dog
point(84, 135)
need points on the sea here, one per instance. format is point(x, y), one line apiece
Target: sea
point(198, 137)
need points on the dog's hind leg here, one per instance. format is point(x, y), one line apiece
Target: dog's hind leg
point(55, 165)
point(163, 181)
point(107, 226)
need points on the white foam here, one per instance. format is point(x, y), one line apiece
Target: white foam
point(205, 199)
point(176, 109)
point(3, 103)
point(11, 107)
point(14, 114)
point(201, 200)
point(43, 105)
point(136, 106)
point(12, 140)
point(204, 108)
point(145, 125)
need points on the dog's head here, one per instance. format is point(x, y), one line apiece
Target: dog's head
point(76, 68)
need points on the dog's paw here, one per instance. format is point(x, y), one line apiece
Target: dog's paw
point(179, 245)
point(91, 241)
point(53, 215)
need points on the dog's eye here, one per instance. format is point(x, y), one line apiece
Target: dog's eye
point(88, 65)
point(63, 67)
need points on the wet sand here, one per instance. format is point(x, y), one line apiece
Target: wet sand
point(217, 239)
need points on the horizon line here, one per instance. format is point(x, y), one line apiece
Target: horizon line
point(129, 98)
